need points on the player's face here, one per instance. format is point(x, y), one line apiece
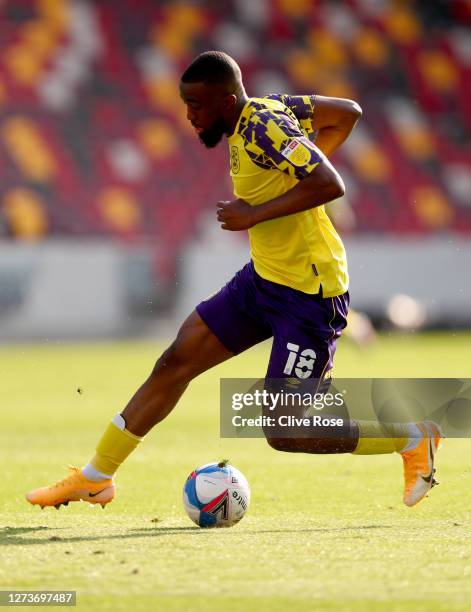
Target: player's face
point(206, 108)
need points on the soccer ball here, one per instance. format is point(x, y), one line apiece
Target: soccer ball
point(216, 495)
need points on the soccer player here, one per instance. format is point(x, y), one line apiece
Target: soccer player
point(295, 288)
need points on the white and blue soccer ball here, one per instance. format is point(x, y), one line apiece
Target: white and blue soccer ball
point(216, 495)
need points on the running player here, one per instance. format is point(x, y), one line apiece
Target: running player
point(295, 288)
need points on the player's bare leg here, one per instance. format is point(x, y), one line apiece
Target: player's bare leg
point(195, 350)
point(324, 441)
point(417, 443)
point(307, 438)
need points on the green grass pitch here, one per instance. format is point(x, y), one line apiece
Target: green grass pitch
point(322, 532)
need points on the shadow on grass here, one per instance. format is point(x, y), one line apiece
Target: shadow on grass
point(6, 532)
point(12, 536)
point(9, 535)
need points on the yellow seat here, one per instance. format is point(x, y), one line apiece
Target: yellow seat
point(28, 149)
point(371, 48)
point(158, 138)
point(402, 25)
point(438, 71)
point(431, 207)
point(119, 209)
point(25, 214)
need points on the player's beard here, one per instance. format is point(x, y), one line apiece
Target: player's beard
point(212, 136)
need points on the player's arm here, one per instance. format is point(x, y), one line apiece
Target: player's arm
point(333, 119)
point(277, 143)
point(322, 185)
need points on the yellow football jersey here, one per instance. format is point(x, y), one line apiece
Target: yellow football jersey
point(269, 153)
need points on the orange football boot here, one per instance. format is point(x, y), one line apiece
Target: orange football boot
point(419, 467)
point(73, 488)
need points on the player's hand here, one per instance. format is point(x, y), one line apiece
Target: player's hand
point(236, 215)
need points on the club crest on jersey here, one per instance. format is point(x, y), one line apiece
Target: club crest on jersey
point(235, 163)
point(296, 153)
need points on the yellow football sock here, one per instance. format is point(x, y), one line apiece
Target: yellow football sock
point(379, 438)
point(114, 447)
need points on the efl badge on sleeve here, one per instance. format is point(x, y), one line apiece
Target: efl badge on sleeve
point(296, 153)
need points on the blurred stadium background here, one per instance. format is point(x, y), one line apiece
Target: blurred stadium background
point(107, 199)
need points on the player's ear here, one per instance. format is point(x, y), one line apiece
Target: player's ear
point(229, 101)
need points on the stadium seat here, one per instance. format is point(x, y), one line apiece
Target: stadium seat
point(27, 148)
point(119, 209)
point(431, 207)
point(402, 25)
point(25, 214)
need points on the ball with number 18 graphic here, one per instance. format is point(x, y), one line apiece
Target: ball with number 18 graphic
point(216, 495)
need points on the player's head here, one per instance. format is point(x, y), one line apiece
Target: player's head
point(212, 90)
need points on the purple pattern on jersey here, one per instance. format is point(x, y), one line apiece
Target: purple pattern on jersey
point(255, 129)
point(301, 106)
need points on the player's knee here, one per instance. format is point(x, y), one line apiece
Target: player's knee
point(280, 444)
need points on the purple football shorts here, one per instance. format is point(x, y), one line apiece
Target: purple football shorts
point(305, 327)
